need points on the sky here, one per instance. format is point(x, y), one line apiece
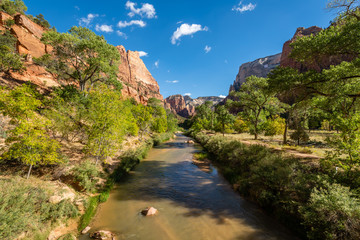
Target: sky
point(191, 47)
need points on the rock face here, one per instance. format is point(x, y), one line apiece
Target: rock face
point(260, 68)
point(319, 64)
point(138, 83)
point(185, 105)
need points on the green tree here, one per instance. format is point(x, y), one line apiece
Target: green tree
point(224, 117)
point(9, 59)
point(13, 6)
point(28, 140)
point(83, 58)
point(159, 121)
point(143, 117)
point(40, 19)
point(257, 101)
point(240, 125)
point(107, 122)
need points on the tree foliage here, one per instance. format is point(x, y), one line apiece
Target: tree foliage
point(13, 6)
point(82, 57)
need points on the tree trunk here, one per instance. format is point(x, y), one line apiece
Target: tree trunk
point(28, 175)
point(285, 132)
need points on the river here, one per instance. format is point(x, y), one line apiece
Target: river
point(192, 204)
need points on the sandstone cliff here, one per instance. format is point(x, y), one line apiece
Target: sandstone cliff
point(137, 81)
point(260, 68)
point(185, 105)
point(319, 64)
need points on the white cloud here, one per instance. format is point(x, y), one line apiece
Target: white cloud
point(147, 10)
point(207, 49)
point(77, 8)
point(244, 8)
point(175, 81)
point(121, 34)
point(187, 94)
point(123, 24)
point(143, 54)
point(86, 21)
point(104, 28)
point(222, 96)
point(157, 63)
point(186, 29)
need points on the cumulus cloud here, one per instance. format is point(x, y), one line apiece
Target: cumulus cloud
point(143, 54)
point(121, 34)
point(147, 10)
point(222, 96)
point(85, 21)
point(186, 29)
point(243, 7)
point(123, 24)
point(104, 28)
point(157, 63)
point(207, 49)
point(175, 81)
point(187, 94)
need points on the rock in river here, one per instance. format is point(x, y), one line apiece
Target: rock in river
point(150, 211)
point(102, 235)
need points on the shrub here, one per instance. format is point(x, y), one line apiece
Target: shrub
point(13, 6)
point(240, 125)
point(85, 174)
point(299, 135)
point(274, 126)
point(332, 213)
point(89, 213)
point(26, 208)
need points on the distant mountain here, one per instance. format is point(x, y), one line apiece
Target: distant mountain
point(185, 105)
point(260, 68)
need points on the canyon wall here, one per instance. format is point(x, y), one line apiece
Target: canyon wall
point(137, 81)
point(260, 68)
point(185, 105)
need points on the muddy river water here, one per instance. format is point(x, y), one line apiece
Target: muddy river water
point(192, 204)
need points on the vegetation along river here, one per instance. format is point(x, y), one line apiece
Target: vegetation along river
point(192, 204)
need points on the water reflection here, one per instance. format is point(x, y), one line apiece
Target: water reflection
point(192, 204)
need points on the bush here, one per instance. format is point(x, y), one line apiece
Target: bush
point(240, 125)
point(274, 126)
point(13, 6)
point(85, 174)
point(26, 208)
point(332, 213)
point(300, 135)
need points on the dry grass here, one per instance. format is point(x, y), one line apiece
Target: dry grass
point(315, 148)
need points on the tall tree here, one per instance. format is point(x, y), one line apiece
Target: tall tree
point(257, 101)
point(224, 117)
point(28, 141)
point(82, 57)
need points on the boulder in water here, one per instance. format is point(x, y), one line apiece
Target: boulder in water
point(85, 230)
point(150, 211)
point(102, 235)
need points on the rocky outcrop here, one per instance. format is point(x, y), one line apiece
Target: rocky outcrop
point(137, 81)
point(177, 104)
point(318, 65)
point(185, 105)
point(260, 68)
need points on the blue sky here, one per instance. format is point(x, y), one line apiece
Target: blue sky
point(192, 46)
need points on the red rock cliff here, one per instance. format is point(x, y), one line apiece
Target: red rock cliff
point(323, 63)
point(137, 81)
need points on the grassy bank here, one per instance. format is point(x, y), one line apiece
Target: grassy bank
point(309, 200)
point(128, 161)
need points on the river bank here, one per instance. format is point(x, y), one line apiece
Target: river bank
point(192, 204)
point(303, 196)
